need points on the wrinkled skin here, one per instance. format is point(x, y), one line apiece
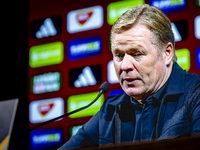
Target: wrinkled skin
point(140, 69)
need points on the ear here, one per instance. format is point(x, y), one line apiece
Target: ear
point(169, 53)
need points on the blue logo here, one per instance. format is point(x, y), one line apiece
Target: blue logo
point(46, 138)
point(116, 92)
point(198, 57)
point(169, 6)
point(84, 47)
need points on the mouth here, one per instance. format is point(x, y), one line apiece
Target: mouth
point(130, 80)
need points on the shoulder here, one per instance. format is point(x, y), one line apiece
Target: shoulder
point(192, 81)
point(193, 91)
point(179, 75)
point(191, 78)
point(192, 85)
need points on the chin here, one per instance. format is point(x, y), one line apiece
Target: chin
point(133, 93)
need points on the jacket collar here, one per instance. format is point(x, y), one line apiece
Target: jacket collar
point(176, 81)
point(174, 84)
point(119, 99)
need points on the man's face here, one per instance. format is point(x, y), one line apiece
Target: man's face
point(140, 70)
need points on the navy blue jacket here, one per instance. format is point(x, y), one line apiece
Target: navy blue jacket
point(178, 115)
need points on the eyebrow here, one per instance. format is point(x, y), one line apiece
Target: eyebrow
point(132, 49)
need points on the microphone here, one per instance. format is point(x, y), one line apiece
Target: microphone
point(103, 89)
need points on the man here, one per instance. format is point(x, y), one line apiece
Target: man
point(160, 101)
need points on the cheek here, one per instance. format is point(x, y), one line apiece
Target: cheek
point(154, 71)
point(148, 69)
point(117, 68)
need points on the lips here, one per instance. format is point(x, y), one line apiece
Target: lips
point(130, 80)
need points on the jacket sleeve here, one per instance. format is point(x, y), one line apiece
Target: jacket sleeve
point(86, 136)
point(194, 109)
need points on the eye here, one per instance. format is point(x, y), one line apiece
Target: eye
point(118, 55)
point(137, 54)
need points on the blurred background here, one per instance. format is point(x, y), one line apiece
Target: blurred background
point(56, 54)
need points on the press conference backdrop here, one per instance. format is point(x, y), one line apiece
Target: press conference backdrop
point(70, 57)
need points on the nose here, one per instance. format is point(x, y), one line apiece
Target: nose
point(127, 64)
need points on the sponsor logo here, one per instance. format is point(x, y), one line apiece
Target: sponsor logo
point(84, 19)
point(112, 77)
point(198, 57)
point(84, 47)
point(83, 77)
point(46, 54)
point(168, 6)
point(47, 82)
point(77, 101)
point(43, 110)
point(116, 9)
point(116, 92)
point(45, 138)
point(180, 30)
point(197, 27)
point(46, 27)
point(74, 130)
point(183, 58)
point(197, 2)
point(86, 78)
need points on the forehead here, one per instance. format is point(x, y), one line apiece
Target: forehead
point(138, 34)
